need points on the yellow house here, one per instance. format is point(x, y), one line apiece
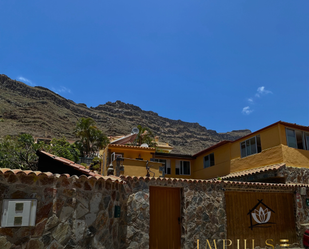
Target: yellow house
point(278, 143)
point(135, 160)
point(175, 165)
point(212, 162)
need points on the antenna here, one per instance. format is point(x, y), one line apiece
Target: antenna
point(135, 130)
point(144, 145)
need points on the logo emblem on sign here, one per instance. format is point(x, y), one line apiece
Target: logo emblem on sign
point(261, 215)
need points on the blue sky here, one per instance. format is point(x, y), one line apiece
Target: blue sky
point(225, 64)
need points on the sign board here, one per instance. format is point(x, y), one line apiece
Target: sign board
point(303, 191)
point(18, 212)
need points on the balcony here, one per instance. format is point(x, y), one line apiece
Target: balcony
point(134, 167)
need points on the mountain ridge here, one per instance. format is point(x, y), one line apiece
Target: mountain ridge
point(42, 112)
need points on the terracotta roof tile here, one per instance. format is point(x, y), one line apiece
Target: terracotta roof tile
point(162, 179)
point(289, 185)
point(123, 179)
point(298, 184)
point(131, 146)
point(254, 171)
point(224, 182)
point(5, 171)
point(70, 163)
point(124, 139)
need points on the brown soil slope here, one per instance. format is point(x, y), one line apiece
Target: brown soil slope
point(41, 112)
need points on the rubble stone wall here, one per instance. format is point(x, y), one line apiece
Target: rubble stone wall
point(78, 212)
point(295, 175)
point(299, 176)
point(301, 213)
point(203, 211)
point(72, 212)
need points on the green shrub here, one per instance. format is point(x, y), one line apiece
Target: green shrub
point(84, 164)
point(96, 167)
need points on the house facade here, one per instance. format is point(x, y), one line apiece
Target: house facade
point(135, 159)
point(259, 202)
point(279, 143)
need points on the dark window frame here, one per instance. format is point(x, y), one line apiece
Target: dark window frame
point(165, 162)
point(209, 158)
point(248, 147)
point(299, 140)
point(181, 170)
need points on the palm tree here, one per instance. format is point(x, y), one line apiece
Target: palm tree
point(145, 135)
point(91, 138)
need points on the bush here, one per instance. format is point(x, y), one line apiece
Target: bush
point(96, 167)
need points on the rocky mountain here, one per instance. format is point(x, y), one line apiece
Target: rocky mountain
point(43, 113)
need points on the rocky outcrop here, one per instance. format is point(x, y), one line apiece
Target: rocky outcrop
point(41, 112)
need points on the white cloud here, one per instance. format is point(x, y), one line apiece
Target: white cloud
point(27, 81)
point(61, 89)
point(250, 100)
point(261, 90)
point(246, 110)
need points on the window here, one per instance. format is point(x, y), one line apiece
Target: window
point(165, 162)
point(209, 160)
point(183, 168)
point(297, 139)
point(251, 146)
point(114, 156)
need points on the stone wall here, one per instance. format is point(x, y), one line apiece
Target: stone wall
point(286, 173)
point(203, 209)
point(78, 212)
point(301, 212)
point(295, 175)
point(72, 212)
point(202, 204)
